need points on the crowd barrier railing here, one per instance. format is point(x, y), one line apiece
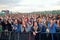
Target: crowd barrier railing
point(28, 36)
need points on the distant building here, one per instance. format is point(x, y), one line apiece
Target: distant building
point(5, 11)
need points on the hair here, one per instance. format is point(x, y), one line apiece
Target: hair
point(59, 23)
point(34, 22)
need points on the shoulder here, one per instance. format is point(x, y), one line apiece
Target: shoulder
point(55, 24)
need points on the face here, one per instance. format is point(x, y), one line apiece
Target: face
point(15, 21)
point(54, 21)
point(39, 20)
point(23, 23)
point(58, 22)
point(51, 21)
point(1, 17)
point(35, 24)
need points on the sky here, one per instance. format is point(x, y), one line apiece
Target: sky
point(29, 5)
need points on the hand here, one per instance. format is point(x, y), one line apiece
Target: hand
point(34, 33)
point(14, 28)
point(47, 30)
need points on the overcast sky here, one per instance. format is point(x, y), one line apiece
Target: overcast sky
point(29, 5)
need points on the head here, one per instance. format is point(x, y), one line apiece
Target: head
point(35, 23)
point(51, 21)
point(58, 22)
point(15, 21)
point(55, 21)
point(39, 20)
point(23, 23)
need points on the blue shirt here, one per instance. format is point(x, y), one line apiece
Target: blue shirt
point(52, 29)
point(18, 27)
point(42, 26)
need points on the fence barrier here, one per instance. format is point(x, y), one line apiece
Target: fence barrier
point(29, 36)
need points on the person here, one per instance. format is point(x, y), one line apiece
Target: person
point(29, 24)
point(41, 25)
point(35, 30)
point(9, 26)
point(58, 30)
point(0, 28)
point(16, 26)
point(58, 23)
point(5, 26)
point(24, 27)
point(16, 30)
point(52, 28)
point(0, 25)
point(58, 26)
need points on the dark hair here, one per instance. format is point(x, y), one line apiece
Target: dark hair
point(34, 22)
point(59, 23)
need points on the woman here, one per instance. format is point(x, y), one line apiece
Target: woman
point(35, 29)
point(24, 27)
point(41, 24)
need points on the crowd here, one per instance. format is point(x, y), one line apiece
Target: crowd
point(33, 23)
point(30, 23)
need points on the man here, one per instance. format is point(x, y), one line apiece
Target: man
point(16, 30)
point(16, 26)
point(52, 28)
